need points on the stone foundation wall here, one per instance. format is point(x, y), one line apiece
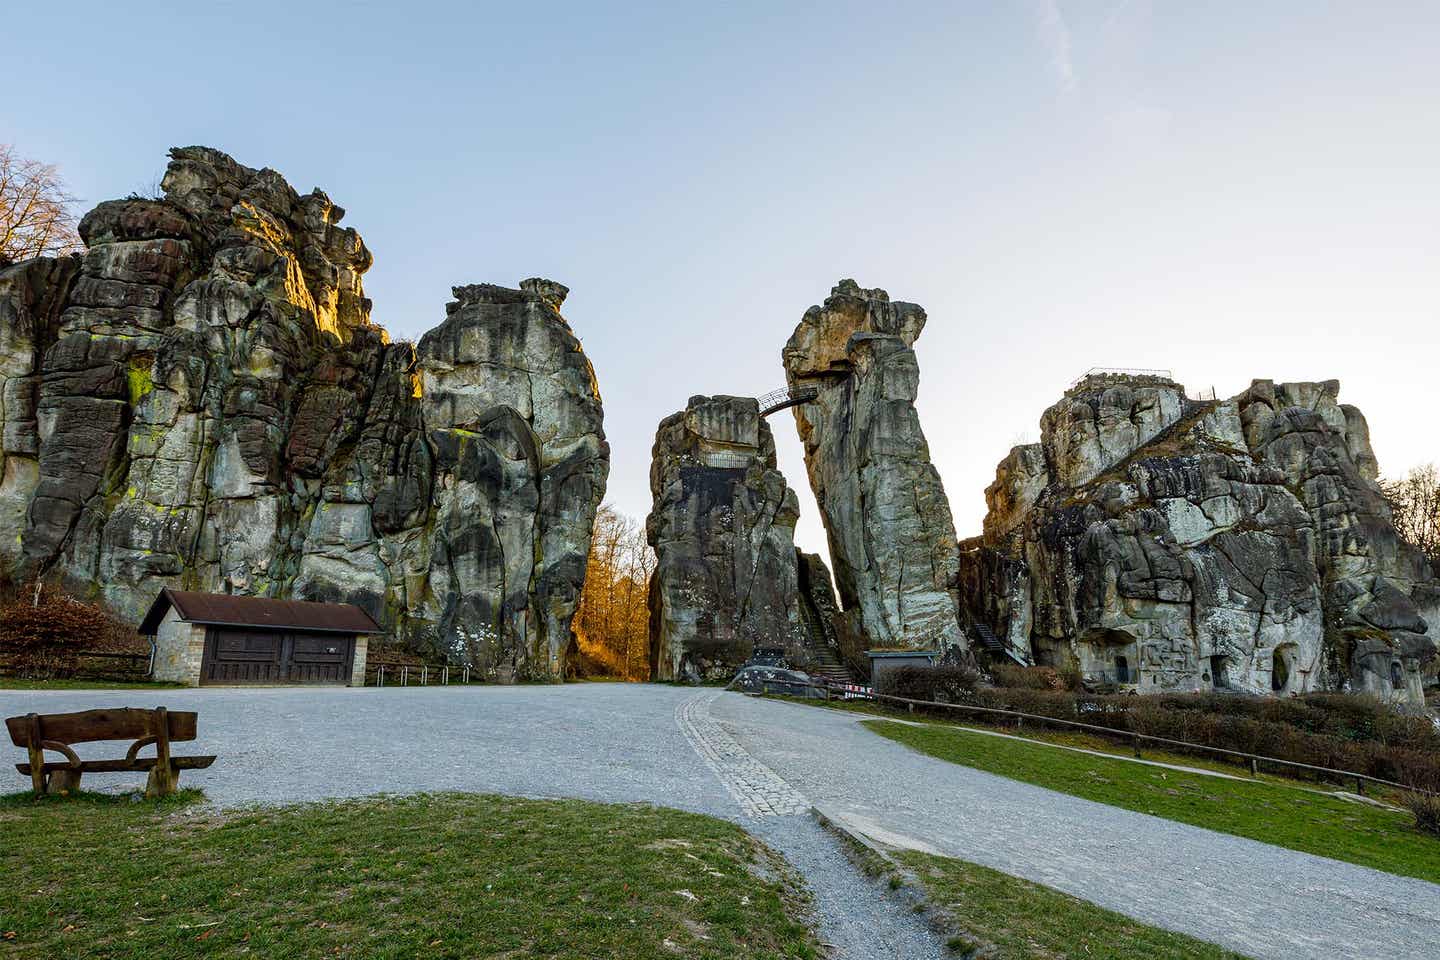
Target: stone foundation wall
point(179, 649)
point(357, 672)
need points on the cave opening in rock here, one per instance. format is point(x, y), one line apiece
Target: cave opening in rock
point(1122, 670)
point(1280, 666)
point(1397, 675)
point(1218, 676)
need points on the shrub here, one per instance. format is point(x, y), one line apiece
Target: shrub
point(1426, 808)
point(945, 684)
point(43, 636)
point(1027, 678)
point(1337, 731)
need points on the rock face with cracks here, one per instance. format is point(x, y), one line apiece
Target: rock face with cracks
point(723, 529)
point(892, 539)
point(201, 401)
point(1164, 543)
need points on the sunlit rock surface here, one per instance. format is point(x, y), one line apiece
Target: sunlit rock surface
point(202, 401)
point(1165, 543)
point(892, 539)
point(723, 529)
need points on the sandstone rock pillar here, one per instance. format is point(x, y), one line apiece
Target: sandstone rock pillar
point(202, 401)
point(1162, 543)
point(892, 539)
point(723, 529)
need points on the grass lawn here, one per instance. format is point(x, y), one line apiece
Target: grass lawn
point(17, 683)
point(1269, 812)
point(1020, 920)
point(445, 876)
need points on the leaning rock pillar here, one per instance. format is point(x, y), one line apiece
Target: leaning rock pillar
point(892, 539)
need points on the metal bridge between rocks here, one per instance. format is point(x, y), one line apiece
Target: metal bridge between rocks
point(777, 400)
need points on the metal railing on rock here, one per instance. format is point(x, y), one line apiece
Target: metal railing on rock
point(777, 400)
point(1140, 372)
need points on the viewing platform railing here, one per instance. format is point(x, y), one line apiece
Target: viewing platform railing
point(1123, 372)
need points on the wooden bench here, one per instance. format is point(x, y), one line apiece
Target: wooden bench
point(58, 731)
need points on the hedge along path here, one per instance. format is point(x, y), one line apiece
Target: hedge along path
point(1199, 771)
point(1136, 738)
point(1100, 745)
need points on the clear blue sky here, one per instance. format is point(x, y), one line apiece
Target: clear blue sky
point(1229, 190)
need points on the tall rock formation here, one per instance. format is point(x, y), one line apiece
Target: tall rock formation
point(1166, 543)
point(202, 401)
point(723, 529)
point(892, 539)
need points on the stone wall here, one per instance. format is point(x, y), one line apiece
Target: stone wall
point(1164, 543)
point(723, 529)
point(201, 401)
point(357, 666)
point(179, 650)
point(892, 539)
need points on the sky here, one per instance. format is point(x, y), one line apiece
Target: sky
point(1229, 191)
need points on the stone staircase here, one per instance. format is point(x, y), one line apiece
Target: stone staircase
point(824, 661)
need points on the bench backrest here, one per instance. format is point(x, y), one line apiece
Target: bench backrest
point(120, 723)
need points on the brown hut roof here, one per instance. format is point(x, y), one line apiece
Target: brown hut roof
point(237, 611)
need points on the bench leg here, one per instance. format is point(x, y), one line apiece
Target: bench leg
point(62, 782)
point(163, 781)
point(37, 759)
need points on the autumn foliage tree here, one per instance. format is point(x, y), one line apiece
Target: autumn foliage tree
point(35, 209)
point(613, 620)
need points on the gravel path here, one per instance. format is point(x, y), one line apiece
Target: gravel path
point(763, 764)
point(1260, 900)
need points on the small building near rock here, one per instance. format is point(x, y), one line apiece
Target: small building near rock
point(215, 638)
point(883, 662)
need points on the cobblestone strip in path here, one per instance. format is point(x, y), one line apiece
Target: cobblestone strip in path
point(755, 787)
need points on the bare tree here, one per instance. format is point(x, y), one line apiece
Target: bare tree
point(1415, 507)
point(35, 215)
